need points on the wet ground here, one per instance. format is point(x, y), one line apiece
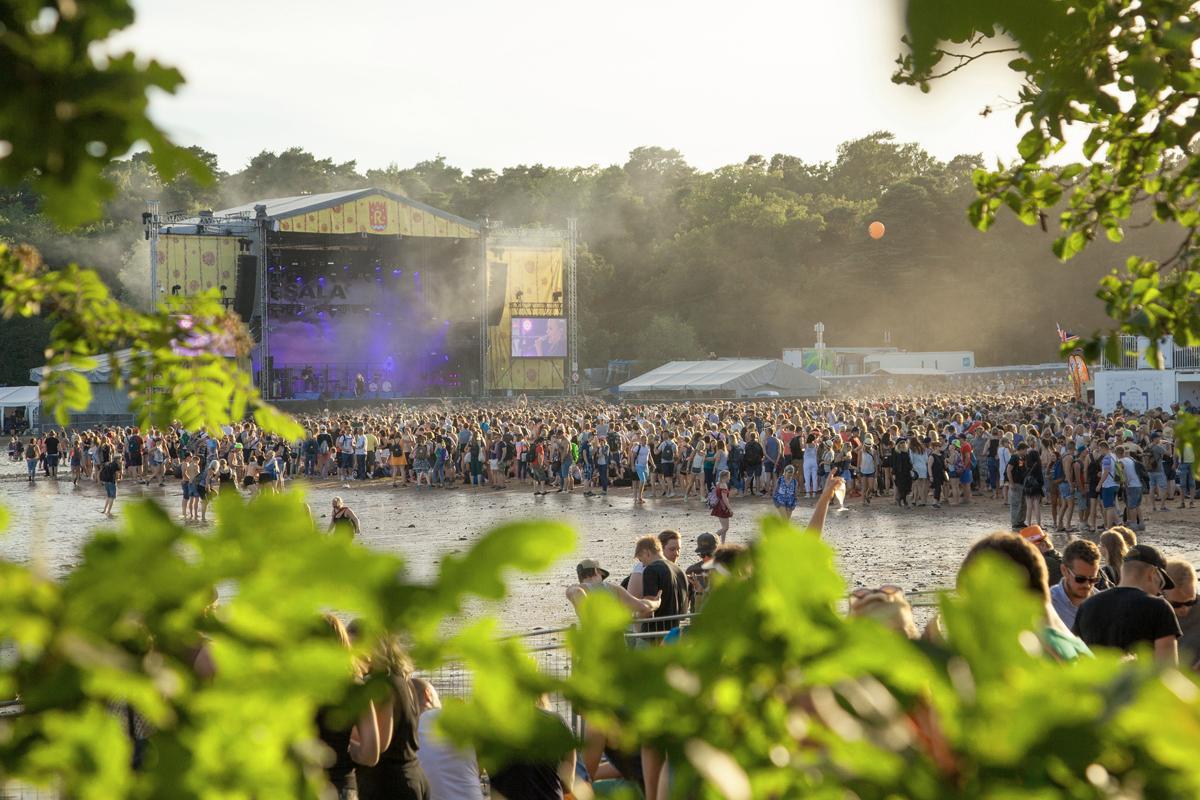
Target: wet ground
point(917, 548)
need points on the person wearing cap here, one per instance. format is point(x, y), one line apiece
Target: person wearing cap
point(592, 579)
point(697, 574)
point(1134, 612)
point(1041, 540)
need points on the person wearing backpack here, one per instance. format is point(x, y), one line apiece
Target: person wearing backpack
point(1154, 460)
point(718, 501)
point(666, 461)
point(1132, 484)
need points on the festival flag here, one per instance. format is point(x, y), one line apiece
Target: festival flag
point(1066, 337)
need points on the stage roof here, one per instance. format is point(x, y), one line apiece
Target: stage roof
point(743, 376)
point(351, 211)
point(11, 396)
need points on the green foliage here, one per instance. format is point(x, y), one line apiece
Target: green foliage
point(183, 363)
point(126, 625)
point(66, 111)
point(1123, 72)
point(773, 688)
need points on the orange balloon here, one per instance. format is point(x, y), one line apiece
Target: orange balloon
point(876, 229)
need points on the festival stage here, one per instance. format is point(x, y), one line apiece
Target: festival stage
point(368, 295)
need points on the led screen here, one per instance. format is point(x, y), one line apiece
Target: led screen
point(539, 337)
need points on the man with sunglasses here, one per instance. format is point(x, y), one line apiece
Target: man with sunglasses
point(1183, 599)
point(1134, 612)
point(1080, 572)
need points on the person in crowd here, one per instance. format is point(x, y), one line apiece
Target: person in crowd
point(1080, 573)
point(350, 747)
point(886, 605)
point(1114, 547)
point(1057, 640)
point(593, 578)
point(535, 780)
point(398, 774)
point(661, 580)
point(1134, 612)
point(784, 496)
point(343, 519)
point(453, 773)
point(1041, 540)
point(110, 473)
point(721, 509)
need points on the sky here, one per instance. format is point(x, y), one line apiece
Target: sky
point(494, 84)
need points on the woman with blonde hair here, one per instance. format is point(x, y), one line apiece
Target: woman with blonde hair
point(1114, 547)
point(355, 746)
point(398, 775)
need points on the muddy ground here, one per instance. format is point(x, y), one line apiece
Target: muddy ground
point(917, 548)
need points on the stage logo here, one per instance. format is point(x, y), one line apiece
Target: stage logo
point(377, 213)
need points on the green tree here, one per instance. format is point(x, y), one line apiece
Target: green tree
point(1125, 72)
point(667, 337)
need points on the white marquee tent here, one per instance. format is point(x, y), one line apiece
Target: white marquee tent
point(728, 377)
point(19, 406)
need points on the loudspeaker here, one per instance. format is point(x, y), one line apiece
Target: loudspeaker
point(497, 276)
point(247, 280)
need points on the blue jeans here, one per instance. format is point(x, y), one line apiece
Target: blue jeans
point(1187, 480)
point(31, 463)
point(993, 473)
point(439, 471)
point(1133, 496)
point(360, 466)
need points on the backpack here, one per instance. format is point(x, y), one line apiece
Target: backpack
point(712, 498)
point(1150, 460)
point(1143, 476)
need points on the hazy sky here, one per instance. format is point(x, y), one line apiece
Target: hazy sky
point(525, 81)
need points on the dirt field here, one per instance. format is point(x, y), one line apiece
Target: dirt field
point(917, 548)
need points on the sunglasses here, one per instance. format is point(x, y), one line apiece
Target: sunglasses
point(1186, 603)
point(887, 589)
point(1084, 579)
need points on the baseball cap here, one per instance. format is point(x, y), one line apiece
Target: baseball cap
point(590, 564)
point(1034, 533)
point(706, 543)
point(1150, 555)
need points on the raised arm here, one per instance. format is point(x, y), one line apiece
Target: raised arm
point(817, 523)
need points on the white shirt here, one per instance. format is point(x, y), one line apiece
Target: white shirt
point(453, 774)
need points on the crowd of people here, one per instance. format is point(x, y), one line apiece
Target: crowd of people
point(1057, 467)
point(1054, 462)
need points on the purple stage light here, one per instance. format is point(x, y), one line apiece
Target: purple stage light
point(397, 272)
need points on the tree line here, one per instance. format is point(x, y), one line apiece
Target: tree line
point(678, 262)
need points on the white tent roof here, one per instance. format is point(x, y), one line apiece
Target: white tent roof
point(740, 375)
point(13, 396)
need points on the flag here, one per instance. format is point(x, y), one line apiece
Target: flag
point(1066, 337)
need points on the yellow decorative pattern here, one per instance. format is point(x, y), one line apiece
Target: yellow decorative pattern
point(377, 214)
point(536, 272)
point(196, 263)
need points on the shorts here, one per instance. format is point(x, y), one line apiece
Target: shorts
point(1133, 496)
point(266, 477)
point(1108, 496)
point(696, 470)
point(642, 474)
point(965, 478)
point(345, 460)
point(1157, 479)
point(769, 467)
point(188, 492)
point(1064, 490)
point(668, 469)
point(135, 460)
point(493, 463)
point(110, 489)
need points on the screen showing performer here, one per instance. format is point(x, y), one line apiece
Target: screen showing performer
point(539, 337)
